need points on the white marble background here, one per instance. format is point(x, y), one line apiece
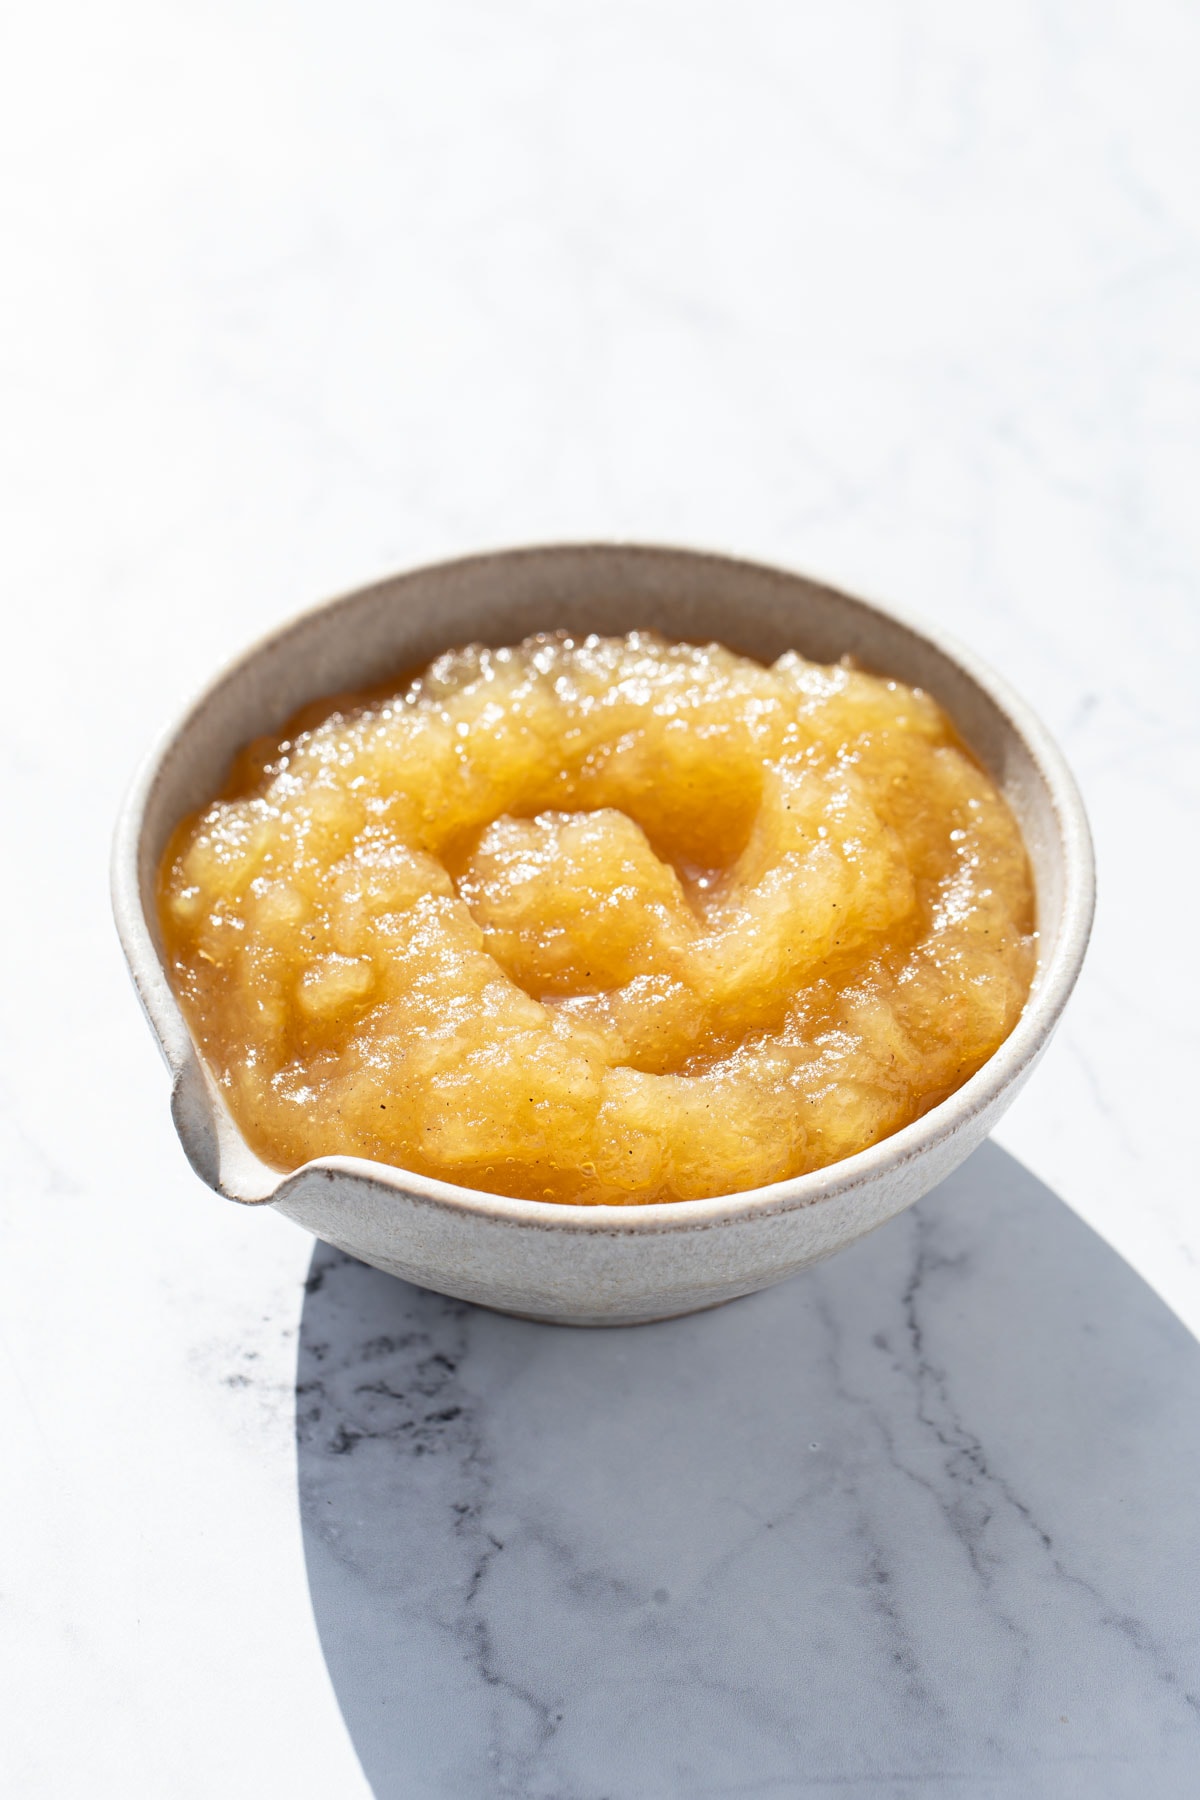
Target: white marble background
point(904, 294)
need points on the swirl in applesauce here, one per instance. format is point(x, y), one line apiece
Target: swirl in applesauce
point(600, 920)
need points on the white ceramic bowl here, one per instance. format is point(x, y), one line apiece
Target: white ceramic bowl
point(601, 1265)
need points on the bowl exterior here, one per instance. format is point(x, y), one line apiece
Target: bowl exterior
point(597, 1265)
point(618, 1273)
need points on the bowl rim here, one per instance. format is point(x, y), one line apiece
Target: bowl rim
point(1053, 981)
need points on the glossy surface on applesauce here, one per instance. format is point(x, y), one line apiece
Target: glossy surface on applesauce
point(600, 921)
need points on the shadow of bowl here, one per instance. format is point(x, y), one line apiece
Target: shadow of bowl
point(925, 1518)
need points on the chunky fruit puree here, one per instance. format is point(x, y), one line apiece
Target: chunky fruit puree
point(600, 920)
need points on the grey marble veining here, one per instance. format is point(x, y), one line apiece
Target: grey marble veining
point(922, 1520)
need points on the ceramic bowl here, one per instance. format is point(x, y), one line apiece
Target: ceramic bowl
point(601, 1265)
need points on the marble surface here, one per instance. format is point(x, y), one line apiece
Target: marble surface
point(297, 296)
point(924, 1518)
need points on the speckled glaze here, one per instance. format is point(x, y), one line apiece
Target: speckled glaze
point(602, 1265)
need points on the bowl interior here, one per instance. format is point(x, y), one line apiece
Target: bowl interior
point(606, 589)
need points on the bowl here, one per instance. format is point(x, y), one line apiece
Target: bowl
point(598, 1265)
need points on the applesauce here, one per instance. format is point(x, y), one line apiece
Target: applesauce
point(600, 921)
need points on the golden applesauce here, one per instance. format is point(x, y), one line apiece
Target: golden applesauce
point(600, 920)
